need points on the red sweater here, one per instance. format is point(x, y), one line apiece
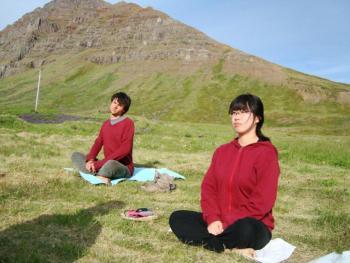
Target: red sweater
point(241, 182)
point(117, 141)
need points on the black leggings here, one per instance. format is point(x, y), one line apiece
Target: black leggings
point(190, 228)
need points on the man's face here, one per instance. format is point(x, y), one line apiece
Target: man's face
point(116, 108)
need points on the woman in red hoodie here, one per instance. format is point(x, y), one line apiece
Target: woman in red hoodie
point(239, 189)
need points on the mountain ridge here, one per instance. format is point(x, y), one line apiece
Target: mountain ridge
point(139, 29)
point(129, 45)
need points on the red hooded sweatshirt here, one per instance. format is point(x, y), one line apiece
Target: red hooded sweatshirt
point(241, 182)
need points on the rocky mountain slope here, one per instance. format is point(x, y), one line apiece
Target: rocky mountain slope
point(117, 33)
point(121, 32)
point(97, 47)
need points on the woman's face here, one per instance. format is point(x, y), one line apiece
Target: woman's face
point(244, 122)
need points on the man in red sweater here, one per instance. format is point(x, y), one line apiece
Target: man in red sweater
point(116, 137)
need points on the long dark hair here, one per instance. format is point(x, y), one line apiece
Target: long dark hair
point(252, 103)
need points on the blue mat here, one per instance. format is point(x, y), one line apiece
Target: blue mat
point(140, 175)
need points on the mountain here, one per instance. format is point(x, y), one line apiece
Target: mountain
point(117, 33)
point(97, 47)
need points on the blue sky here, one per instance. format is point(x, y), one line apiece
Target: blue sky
point(312, 36)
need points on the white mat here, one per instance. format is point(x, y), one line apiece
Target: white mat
point(277, 250)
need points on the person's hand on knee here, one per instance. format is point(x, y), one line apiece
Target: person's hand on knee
point(90, 166)
point(215, 228)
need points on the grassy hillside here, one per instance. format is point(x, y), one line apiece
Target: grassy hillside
point(72, 85)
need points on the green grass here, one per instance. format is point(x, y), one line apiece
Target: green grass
point(50, 215)
point(53, 216)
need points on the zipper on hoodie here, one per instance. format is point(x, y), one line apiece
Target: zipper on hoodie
point(235, 166)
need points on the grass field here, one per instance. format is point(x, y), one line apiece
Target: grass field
point(48, 215)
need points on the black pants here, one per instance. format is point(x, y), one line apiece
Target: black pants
point(190, 228)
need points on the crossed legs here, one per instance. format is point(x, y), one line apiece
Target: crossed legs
point(109, 171)
point(190, 228)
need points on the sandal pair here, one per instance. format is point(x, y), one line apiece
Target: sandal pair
point(140, 214)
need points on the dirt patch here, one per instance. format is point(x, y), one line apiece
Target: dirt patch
point(344, 97)
point(43, 119)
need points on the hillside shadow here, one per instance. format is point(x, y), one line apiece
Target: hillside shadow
point(54, 238)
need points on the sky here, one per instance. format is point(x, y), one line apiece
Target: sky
point(311, 36)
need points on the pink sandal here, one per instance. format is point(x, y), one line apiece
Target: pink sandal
point(141, 214)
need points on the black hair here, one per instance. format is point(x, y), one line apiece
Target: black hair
point(123, 99)
point(252, 103)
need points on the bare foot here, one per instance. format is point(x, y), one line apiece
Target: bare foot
point(105, 180)
point(246, 252)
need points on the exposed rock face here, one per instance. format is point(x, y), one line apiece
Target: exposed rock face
point(115, 33)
